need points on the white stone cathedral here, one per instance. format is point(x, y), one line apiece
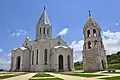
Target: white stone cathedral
point(43, 53)
point(94, 54)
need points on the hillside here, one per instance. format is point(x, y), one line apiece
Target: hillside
point(113, 58)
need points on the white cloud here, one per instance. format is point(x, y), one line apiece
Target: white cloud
point(5, 63)
point(77, 46)
point(9, 55)
point(63, 32)
point(116, 23)
point(19, 32)
point(111, 41)
point(1, 50)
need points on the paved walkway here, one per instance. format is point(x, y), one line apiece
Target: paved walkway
point(107, 75)
point(21, 77)
point(68, 77)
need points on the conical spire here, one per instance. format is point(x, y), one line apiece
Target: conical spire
point(44, 18)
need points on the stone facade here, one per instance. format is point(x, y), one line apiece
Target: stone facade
point(44, 53)
point(94, 54)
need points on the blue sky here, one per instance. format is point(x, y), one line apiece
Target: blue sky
point(18, 19)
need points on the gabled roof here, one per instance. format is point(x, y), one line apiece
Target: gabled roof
point(22, 48)
point(44, 18)
point(60, 46)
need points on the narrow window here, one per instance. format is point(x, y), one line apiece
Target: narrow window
point(101, 44)
point(94, 33)
point(95, 43)
point(40, 30)
point(45, 56)
point(12, 63)
point(37, 57)
point(32, 57)
point(44, 31)
point(89, 45)
point(88, 33)
point(85, 45)
point(47, 31)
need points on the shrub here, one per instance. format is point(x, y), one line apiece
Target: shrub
point(79, 67)
point(114, 66)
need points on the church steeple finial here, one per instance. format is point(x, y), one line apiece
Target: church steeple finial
point(89, 13)
point(44, 7)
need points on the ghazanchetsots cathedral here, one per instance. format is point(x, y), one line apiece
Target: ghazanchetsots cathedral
point(43, 53)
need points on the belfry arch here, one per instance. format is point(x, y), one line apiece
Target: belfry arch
point(94, 33)
point(89, 45)
point(88, 33)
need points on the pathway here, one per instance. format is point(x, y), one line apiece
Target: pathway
point(107, 75)
point(21, 77)
point(68, 77)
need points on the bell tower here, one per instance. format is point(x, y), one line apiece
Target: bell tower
point(94, 54)
point(43, 27)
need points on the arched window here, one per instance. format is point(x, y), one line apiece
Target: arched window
point(85, 45)
point(40, 30)
point(37, 57)
point(58, 43)
point(89, 45)
point(47, 31)
point(68, 61)
point(101, 44)
point(88, 33)
point(44, 31)
point(45, 56)
point(32, 57)
point(95, 43)
point(94, 33)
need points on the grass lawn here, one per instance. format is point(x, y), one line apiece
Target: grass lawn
point(112, 78)
point(43, 75)
point(8, 76)
point(81, 74)
point(6, 73)
point(112, 72)
point(48, 79)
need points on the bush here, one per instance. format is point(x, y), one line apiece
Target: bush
point(114, 66)
point(79, 67)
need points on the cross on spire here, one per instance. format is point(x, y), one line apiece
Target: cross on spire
point(89, 13)
point(44, 7)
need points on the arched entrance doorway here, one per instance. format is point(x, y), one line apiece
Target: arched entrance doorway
point(18, 63)
point(68, 61)
point(60, 63)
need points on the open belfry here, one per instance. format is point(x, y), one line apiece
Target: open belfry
point(94, 54)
